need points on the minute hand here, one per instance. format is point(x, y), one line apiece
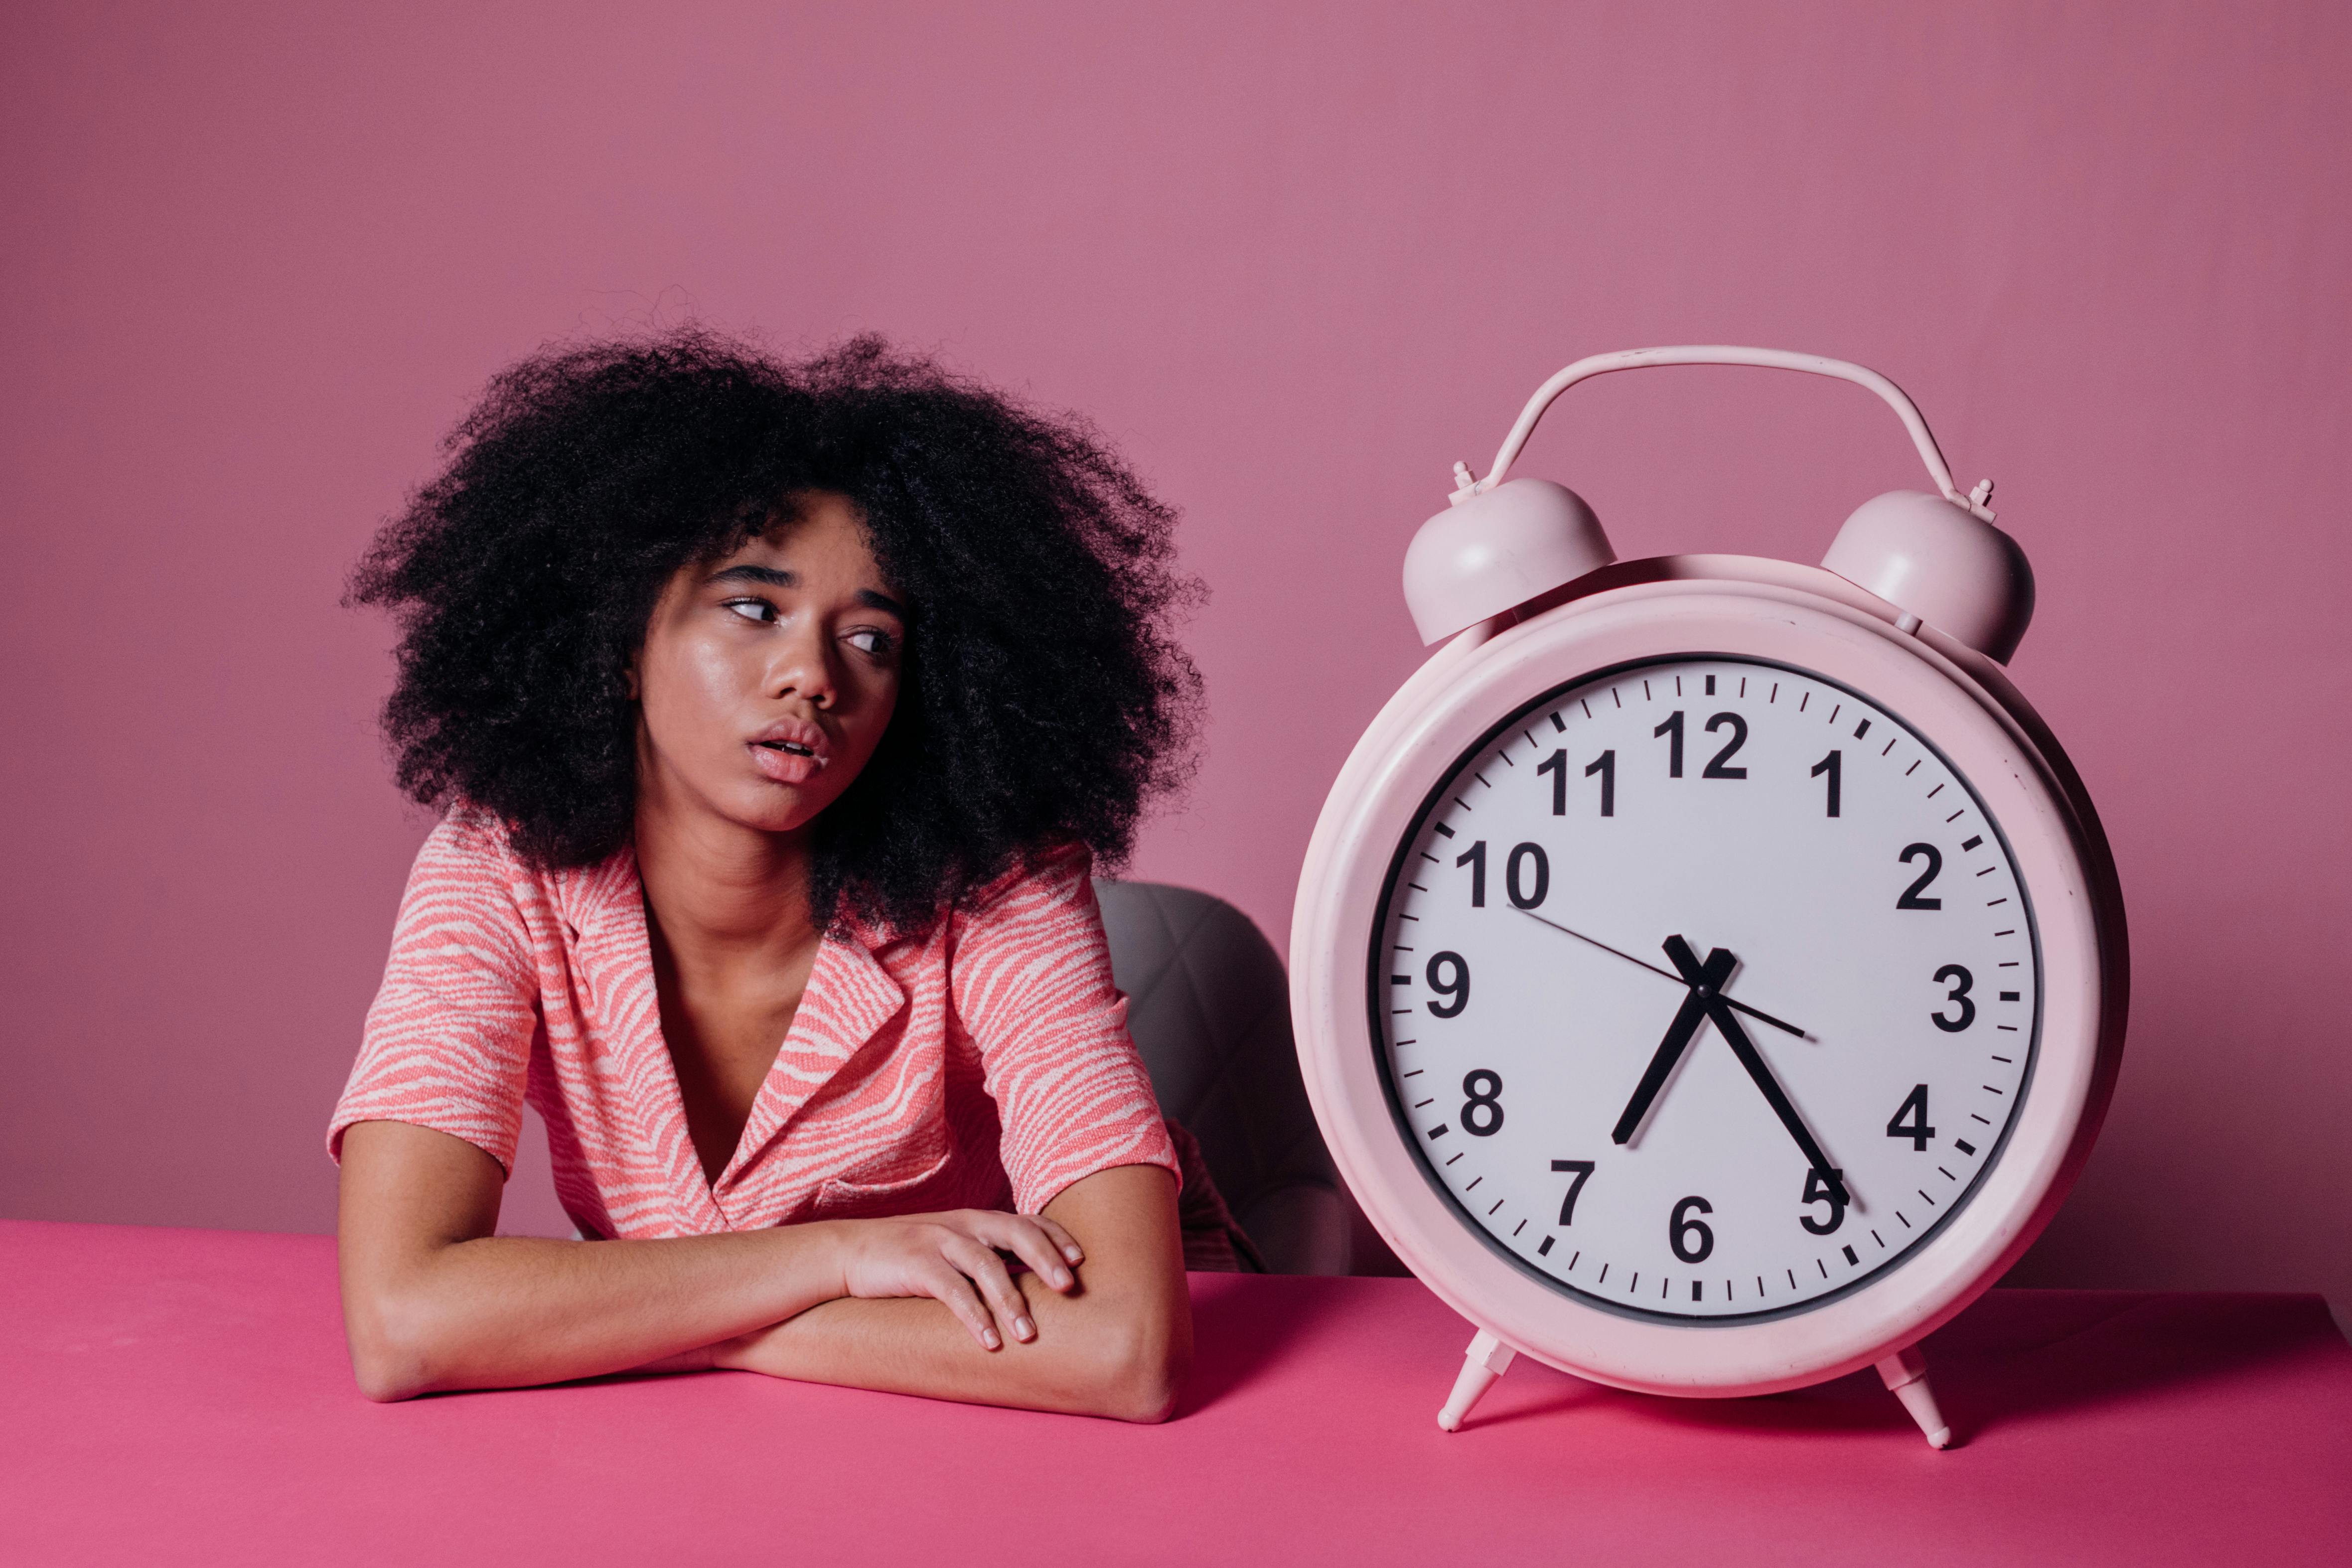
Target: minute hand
point(1726, 1023)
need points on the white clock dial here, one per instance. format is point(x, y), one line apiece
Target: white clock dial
point(1576, 888)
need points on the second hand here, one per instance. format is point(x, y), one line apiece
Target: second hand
point(1759, 1016)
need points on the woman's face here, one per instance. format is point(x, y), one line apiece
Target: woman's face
point(767, 677)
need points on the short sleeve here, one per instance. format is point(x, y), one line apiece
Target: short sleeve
point(1032, 982)
point(447, 1041)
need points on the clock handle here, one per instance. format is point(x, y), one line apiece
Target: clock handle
point(1726, 354)
point(1487, 1359)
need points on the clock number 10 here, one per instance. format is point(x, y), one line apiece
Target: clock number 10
point(1527, 875)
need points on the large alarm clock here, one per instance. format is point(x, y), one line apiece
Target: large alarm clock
point(1709, 973)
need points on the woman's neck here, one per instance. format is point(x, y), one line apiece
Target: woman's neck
point(723, 895)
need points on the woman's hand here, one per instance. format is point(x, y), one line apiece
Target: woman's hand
point(952, 1258)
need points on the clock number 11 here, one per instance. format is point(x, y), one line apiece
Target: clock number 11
point(1605, 765)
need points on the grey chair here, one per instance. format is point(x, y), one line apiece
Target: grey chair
point(1210, 1010)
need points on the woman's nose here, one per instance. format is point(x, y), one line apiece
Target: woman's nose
point(803, 668)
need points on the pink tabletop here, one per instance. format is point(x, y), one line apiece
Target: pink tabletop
point(183, 1396)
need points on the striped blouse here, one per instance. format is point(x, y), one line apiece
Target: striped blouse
point(984, 1063)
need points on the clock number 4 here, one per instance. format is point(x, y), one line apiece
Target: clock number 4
point(1605, 764)
point(1910, 1120)
point(1718, 767)
point(1582, 1170)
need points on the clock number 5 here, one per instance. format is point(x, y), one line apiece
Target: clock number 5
point(1831, 1192)
point(1449, 977)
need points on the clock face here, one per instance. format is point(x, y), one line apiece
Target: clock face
point(1706, 990)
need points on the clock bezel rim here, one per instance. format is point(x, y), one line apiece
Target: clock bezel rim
point(1751, 607)
point(1375, 967)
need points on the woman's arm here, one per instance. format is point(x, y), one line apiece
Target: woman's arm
point(1119, 1345)
point(434, 1300)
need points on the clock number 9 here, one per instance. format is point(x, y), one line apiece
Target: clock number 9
point(1482, 1112)
point(1449, 977)
point(1682, 1226)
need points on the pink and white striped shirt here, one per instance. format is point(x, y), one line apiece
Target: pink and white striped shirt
point(984, 1063)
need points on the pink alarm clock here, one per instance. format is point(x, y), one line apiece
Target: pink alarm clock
point(1709, 973)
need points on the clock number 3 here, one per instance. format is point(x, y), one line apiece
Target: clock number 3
point(1960, 979)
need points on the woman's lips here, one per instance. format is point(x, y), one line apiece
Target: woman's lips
point(791, 752)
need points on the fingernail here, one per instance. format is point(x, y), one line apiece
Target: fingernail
point(987, 1337)
point(1073, 1254)
point(1062, 1278)
point(1024, 1328)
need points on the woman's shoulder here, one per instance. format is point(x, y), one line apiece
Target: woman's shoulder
point(1048, 882)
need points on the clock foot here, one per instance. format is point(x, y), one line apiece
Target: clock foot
point(1487, 1359)
point(1905, 1374)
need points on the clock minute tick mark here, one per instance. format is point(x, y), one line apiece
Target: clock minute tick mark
point(1543, 1247)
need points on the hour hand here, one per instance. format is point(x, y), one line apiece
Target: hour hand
point(1693, 1012)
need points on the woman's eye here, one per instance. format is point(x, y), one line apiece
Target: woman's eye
point(758, 610)
point(869, 640)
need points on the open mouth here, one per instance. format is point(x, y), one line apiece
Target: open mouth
point(791, 747)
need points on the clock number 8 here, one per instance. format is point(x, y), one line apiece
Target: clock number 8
point(1482, 1112)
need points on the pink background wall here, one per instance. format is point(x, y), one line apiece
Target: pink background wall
point(1296, 260)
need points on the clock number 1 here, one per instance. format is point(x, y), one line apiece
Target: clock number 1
point(1830, 766)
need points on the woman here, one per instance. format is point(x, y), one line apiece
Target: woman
point(777, 710)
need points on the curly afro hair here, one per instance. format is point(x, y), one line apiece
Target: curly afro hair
point(1044, 697)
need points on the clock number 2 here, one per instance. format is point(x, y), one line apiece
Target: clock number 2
point(1911, 899)
point(1582, 1170)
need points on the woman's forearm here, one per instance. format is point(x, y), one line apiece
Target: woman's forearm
point(1118, 1346)
point(432, 1300)
point(507, 1310)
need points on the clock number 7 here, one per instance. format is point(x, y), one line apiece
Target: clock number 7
point(1584, 1172)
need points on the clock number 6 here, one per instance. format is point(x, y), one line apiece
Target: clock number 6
point(1681, 1226)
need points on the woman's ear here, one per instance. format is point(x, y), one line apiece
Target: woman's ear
point(629, 673)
